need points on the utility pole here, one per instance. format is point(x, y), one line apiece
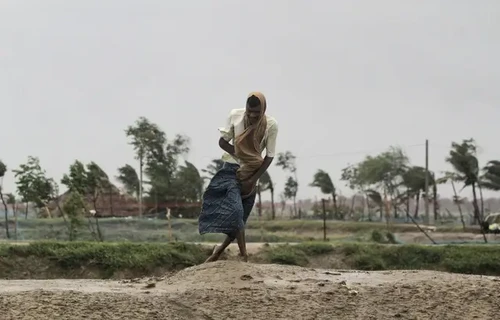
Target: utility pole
point(427, 221)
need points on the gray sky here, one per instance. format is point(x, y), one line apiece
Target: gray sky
point(343, 78)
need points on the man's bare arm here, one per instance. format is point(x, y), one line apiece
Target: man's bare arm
point(265, 165)
point(226, 146)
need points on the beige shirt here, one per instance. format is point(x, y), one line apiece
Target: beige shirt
point(235, 126)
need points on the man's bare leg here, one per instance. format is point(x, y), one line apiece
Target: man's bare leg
point(242, 244)
point(220, 249)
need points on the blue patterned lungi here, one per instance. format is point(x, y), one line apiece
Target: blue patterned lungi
point(223, 210)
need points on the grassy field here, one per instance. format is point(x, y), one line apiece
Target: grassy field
point(154, 230)
point(48, 260)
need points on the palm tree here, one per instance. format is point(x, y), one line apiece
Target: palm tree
point(491, 177)
point(212, 168)
point(414, 181)
point(451, 177)
point(323, 181)
point(463, 160)
point(189, 183)
point(266, 183)
point(129, 179)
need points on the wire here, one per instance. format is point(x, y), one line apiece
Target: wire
point(346, 153)
point(339, 154)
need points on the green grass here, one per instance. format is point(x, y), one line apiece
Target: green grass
point(106, 258)
point(117, 260)
point(469, 259)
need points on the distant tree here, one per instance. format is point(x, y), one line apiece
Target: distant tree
point(287, 162)
point(381, 173)
point(164, 170)
point(290, 192)
point(33, 185)
point(148, 141)
point(265, 184)
point(414, 181)
point(323, 181)
point(462, 158)
point(351, 176)
point(452, 178)
point(12, 201)
point(188, 183)
point(88, 182)
point(3, 170)
point(377, 199)
point(128, 177)
point(491, 177)
point(74, 207)
point(213, 167)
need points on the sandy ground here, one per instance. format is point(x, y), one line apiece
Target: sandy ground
point(237, 290)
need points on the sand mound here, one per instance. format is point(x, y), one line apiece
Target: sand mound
point(235, 290)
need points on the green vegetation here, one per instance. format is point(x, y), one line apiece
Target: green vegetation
point(102, 260)
point(125, 260)
point(469, 259)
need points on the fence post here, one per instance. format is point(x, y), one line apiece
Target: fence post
point(324, 219)
point(169, 225)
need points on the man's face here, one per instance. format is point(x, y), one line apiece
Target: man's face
point(253, 113)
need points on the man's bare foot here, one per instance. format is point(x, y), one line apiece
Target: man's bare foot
point(213, 257)
point(243, 257)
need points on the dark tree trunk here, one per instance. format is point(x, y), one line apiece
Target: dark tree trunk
point(6, 216)
point(273, 209)
point(435, 203)
point(476, 211)
point(417, 204)
point(457, 202)
point(259, 206)
point(335, 205)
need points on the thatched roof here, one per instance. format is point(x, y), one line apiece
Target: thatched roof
point(110, 203)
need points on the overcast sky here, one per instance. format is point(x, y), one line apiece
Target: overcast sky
point(344, 79)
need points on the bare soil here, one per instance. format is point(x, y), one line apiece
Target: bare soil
point(237, 290)
point(420, 238)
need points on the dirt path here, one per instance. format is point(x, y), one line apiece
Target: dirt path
point(235, 290)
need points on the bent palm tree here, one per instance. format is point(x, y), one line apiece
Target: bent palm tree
point(491, 177)
point(463, 160)
point(323, 181)
point(190, 183)
point(129, 179)
point(414, 181)
point(212, 168)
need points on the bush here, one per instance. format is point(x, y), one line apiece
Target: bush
point(377, 236)
point(472, 259)
point(110, 257)
point(287, 255)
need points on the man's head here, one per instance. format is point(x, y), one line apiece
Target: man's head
point(255, 107)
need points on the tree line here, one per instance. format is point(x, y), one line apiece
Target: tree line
point(388, 183)
point(163, 177)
